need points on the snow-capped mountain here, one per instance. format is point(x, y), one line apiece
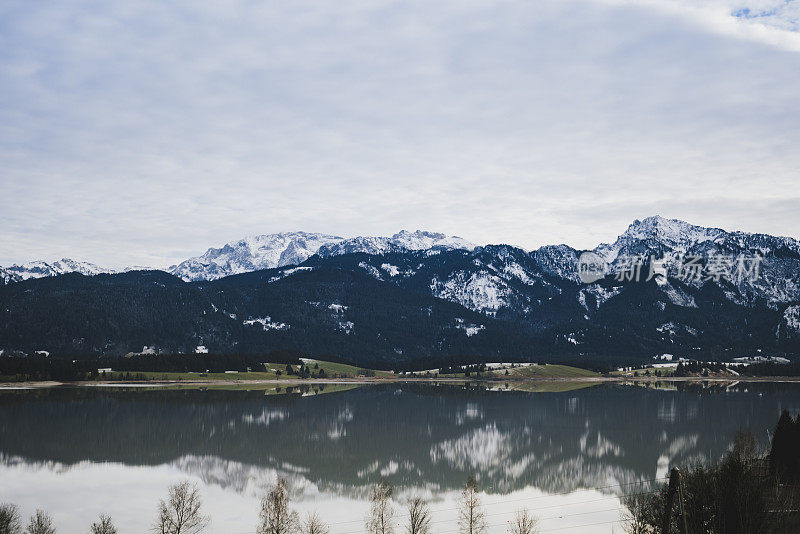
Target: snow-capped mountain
point(657, 235)
point(403, 240)
point(419, 294)
point(542, 287)
point(39, 269)
point(292, 248)
point(252, 254)
point(499, 277)
point(778, 279)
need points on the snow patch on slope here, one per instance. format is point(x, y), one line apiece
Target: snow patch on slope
point(346, 326)
point(600, 294)
point(266, 323)
point(791, 318)
point(675, 295)
point(375, 273)
point(392, 270)
point(479, 291)
point(469, 328)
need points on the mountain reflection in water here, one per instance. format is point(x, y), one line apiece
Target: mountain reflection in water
point(413, 435)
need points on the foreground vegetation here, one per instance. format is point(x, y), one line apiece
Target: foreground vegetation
point(181, 513)
point(746, 492)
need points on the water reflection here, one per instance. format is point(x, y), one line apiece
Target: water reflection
point(419, 437)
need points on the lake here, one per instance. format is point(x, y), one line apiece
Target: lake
point(566, 456)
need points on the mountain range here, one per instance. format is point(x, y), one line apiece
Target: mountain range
point(422, 295)
point(292, 248)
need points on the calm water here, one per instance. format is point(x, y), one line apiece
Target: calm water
point(77, 452)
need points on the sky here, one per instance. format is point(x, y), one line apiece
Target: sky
point(142, 133)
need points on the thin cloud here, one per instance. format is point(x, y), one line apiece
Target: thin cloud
point(143, 133)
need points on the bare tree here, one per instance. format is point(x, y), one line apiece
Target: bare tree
point(381, 511)
point(312, 524)
point(104, 526)
point(180, 513)
point(635, 516)
point(419, 516)
point(40, 523)
point(10, 522)
point(471, 518)
point(524, 523)
point(275, 516)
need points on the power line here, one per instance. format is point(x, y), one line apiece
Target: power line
point(539, 508)
point(585, 525)
point(525, 499)
point(555, 528)
point(549, 506)
point(434, 511)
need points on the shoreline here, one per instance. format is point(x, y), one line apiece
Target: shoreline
point(371, 380)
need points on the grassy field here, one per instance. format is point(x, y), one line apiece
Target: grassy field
point(274, 371)
point(549, 386)
point(304, 389)
point(149, 375)
point(550, 371)
point(342, 370)
point(533, 371)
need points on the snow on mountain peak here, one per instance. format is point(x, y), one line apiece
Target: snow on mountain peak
point(657, 234)
point(40, 269)
point(252, 253)
point(422, 240)
point(671, 231)
point(267, 251)
point(402, 240)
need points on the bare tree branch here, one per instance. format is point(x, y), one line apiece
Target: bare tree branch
point(10, 521)
point(312, 524)
point(524, 523)
point(471, 518)
point(381, 512)
point(275, 516)
point(419, 516)
point(180, 513)
point(40, 524)
point(104, 526)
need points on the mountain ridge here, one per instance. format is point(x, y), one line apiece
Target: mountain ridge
point(265, 251)
point(538, 292)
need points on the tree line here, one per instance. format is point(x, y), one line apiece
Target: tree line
point(78, 368)
point(747, 492)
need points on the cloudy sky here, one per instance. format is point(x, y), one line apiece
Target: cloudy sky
point(144, 132)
